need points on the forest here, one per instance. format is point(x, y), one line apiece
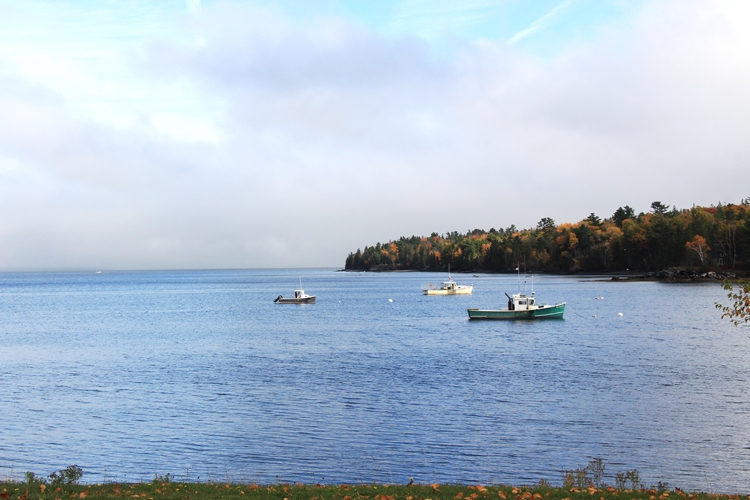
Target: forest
point(714, 237)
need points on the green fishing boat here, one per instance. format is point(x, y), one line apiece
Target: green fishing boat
point(521, 306)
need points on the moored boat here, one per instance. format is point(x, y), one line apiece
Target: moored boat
point(521, 306)
point(300, 297)
point(449, 287)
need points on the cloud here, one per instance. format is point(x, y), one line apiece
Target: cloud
point(325, 137)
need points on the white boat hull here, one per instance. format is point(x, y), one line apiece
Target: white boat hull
point(459, 290)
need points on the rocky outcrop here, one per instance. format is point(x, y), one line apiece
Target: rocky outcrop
point(681, 274)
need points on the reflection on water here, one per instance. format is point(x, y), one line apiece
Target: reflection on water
point(200, 374)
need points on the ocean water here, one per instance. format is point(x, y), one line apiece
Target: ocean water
point(200, 375)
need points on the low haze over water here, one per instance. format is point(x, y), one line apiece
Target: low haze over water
point(200, 374)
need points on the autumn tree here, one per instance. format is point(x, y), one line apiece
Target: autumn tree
point(699, 247)
point(739, 310)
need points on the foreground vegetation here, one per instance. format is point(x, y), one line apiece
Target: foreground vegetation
point(661, 238)
point(738, 311)
point(585, 483)
point(161, 490)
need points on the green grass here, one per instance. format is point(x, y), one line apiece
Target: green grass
point(164, 490)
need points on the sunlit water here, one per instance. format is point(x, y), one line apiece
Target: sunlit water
point(201, 375)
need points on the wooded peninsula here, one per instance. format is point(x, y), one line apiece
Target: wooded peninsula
point(704, 238)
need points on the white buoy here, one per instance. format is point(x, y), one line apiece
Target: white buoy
point(390, 300)
point(619, 314)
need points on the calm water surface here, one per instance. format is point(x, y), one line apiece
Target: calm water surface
point(200, 374)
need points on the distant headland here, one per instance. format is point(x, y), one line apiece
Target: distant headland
point(700, 241)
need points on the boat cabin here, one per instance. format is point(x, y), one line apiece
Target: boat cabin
point(520, 302)
point(298, 294)
point(448, 285)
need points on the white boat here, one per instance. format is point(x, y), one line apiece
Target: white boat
point(300, 297)
point(449, 287)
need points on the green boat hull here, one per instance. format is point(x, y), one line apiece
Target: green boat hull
point(542, 312)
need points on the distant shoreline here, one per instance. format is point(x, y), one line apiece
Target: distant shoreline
point(677, 275)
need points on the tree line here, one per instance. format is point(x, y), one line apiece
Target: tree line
point(664, 237)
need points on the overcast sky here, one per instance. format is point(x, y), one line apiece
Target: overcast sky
point(236, 134)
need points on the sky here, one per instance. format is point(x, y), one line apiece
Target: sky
point(207, 134)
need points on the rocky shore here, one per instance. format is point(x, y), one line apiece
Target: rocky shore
point(682, 275)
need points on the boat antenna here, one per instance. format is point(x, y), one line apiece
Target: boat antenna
point(449, 271)
point(518, 276)
point(300, 281)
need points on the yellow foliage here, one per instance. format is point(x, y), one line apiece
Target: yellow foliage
point(572, 240)
point(614, 233)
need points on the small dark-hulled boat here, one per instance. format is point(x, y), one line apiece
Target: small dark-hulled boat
point(300, 297)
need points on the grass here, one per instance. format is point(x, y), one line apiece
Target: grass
point(167, 490)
